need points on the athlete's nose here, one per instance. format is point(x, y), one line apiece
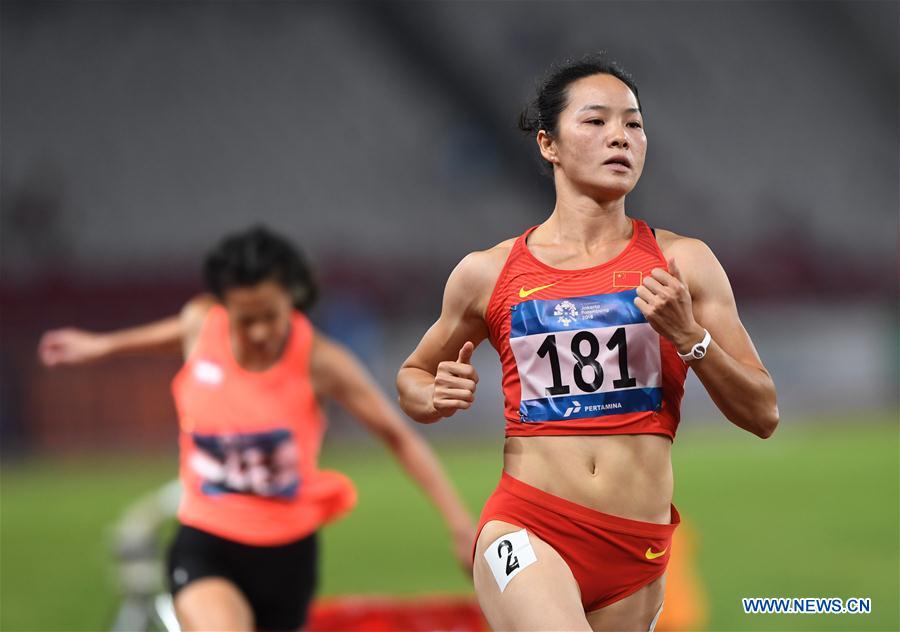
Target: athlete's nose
point(258, 334)
point(617, 136)
point(619, 139)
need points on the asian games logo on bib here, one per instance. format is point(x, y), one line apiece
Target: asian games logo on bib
point(566, 312)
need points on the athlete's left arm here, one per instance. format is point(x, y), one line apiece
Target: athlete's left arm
point(337, 373)
point(695, 295)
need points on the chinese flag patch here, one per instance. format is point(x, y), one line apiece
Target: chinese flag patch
point(627, 278)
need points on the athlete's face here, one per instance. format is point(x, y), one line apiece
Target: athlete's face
point(599, 145)
point(260, 319)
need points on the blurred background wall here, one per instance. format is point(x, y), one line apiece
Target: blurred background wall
point(381, 138)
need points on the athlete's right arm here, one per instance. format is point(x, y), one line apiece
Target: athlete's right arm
point(71, 346)
point(438, 379)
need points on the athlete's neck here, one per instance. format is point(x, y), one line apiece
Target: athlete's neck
point(584, 221)
point(585, 227)
point(257, 360)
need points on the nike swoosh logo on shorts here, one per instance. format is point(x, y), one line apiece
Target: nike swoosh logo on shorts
point(524, 293)
point(650, 555)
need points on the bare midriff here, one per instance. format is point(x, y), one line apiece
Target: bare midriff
point(629, 476)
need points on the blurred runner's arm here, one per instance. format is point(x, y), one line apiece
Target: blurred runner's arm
point(71, 346)
point(695, 295)
point(338, 374)
point(438, 379)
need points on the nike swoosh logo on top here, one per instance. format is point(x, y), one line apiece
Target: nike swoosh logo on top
point(650, 555)
point(524, 293)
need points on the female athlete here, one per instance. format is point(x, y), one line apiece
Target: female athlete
point(248, 397)
point(596, 317)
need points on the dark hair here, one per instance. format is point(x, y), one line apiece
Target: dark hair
point(257, 255)
point(553, 91)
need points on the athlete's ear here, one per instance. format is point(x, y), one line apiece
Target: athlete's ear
point(547, 145)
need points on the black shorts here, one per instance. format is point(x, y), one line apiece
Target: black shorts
point(278, 581)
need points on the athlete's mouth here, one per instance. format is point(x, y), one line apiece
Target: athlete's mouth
point(619, 160)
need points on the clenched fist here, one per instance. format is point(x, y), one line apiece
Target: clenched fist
point(665, 302)
point(70, 346)
point(455, 382)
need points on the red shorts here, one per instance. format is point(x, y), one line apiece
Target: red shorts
point(610, 557)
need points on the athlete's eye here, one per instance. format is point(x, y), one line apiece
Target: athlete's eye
point(597, 122)
point(635, 125)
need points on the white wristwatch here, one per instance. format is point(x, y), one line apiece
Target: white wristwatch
point(698, 351)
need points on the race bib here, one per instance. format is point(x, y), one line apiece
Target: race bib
point(509, 555)
point(585, 356)
point(259, 463)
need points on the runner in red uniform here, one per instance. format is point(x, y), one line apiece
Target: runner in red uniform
point(244, 557)
point(595, 324)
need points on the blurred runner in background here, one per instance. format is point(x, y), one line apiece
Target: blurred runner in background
point(248, 399)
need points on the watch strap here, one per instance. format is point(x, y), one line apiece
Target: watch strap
point(698, 351)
